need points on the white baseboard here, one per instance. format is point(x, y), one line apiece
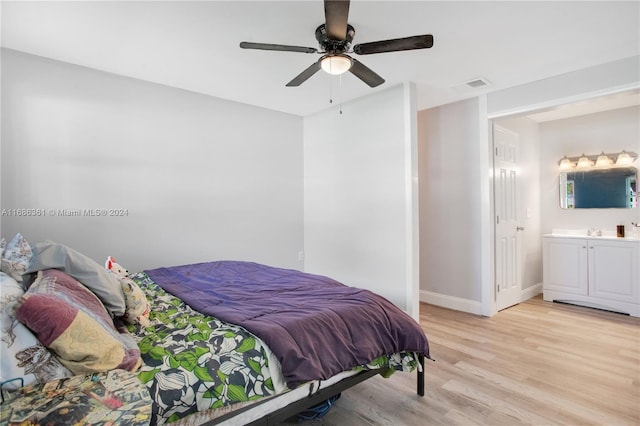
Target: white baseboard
point(530, 292)
point(451, 302)
point(470, 306)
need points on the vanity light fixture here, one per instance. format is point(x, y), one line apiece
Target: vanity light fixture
point(623, 158)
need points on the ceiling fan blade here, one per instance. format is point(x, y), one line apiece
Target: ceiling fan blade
point(305, 75)
point(278, 47)
point(365, 73)
point(336, 14)
point(395, 45)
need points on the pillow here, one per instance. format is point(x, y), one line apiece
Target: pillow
point(21, 355)
point(70, 320)
point(16, 257)
point(49, 255)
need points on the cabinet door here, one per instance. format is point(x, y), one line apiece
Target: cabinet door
point(565, 265)
point(613, 270)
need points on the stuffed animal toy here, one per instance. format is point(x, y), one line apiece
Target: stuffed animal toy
point(111, 266)
point(138, 308)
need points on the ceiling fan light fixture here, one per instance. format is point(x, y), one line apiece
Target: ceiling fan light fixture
point(336, 64)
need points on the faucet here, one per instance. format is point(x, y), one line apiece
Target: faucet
point(593, 233)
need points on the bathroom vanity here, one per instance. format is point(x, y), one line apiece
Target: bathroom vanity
point(597, 271)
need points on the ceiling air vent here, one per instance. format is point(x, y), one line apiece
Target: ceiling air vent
point(476, 83)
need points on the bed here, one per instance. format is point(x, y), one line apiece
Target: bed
point(225, 342)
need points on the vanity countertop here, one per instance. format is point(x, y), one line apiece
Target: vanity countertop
point(584, 233)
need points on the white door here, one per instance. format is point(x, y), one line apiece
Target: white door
point(507, 218)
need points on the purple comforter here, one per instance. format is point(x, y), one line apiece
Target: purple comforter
point(315, 326)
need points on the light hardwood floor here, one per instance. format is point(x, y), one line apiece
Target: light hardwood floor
point(537, 363)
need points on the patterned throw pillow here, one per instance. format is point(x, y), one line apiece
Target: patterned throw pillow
point(21, 354)
point(16, 257)
point(50, 255)
point(70, 320)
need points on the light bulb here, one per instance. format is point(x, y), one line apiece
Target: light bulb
point(584, 162)
point(603, 160)
point(624, 159)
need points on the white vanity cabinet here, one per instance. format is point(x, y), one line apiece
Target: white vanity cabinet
point(597, 272)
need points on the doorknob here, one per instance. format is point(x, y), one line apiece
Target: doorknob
point(519, 228)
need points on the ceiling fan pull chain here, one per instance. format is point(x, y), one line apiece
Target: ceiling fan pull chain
point(340, 93)
point(330, 90)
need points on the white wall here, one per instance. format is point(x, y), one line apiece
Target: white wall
point(609, 131)
point(450, 164)
point(357, 194)
point(201, 178)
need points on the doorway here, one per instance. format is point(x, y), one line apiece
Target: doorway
point(507, 241)
point(526, 123)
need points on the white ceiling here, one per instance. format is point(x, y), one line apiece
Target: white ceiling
point(624, 99)
point(194, 45)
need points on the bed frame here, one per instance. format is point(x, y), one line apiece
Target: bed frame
point(316, 398)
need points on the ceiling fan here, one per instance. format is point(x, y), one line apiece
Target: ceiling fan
point(335, 37)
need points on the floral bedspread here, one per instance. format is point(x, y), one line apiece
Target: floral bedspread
point(316, 326)
point(193, 362)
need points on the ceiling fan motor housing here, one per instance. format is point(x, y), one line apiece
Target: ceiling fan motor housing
point(330, 45)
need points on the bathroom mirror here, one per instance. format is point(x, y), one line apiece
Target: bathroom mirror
point(599, 188)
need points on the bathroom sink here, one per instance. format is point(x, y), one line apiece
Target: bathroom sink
point(594, 234)
point(570, 232)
